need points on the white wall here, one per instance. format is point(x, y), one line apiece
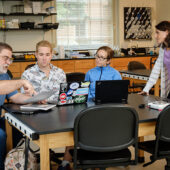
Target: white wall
point(135, 3)
point(163, 10)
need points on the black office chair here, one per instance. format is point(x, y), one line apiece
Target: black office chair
point(160, 147)
point(29, 66)
point(135, 65)
point(75, 76)
point(152, 61)
point(134, 86)
point(102, 135)
point(10, 74)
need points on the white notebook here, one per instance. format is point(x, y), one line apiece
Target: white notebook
point(158, 105)
point(34, 107)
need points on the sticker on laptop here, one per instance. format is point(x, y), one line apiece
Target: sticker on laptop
point(80, 99)
point(82, 91)
point(64, 87)
point(74, 86)
point(70, 92)
point(63, 96)
point(63, 101)
point(85, 84)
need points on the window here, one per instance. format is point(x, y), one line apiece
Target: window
point(84, 23)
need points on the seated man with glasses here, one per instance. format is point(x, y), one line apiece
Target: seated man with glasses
point(102, 71)
point(8, 89)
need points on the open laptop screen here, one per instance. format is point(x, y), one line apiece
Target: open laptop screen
point(115, 91)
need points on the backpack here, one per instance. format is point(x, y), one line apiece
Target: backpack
point(15, 159)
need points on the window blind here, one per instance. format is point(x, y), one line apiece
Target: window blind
point(84, 23)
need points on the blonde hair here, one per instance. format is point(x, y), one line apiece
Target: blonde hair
point(44, 44)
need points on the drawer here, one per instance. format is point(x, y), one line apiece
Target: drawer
point(84, 64)
point(120, 61)
point(67, 65)
point(15, 68)
point(24, 65)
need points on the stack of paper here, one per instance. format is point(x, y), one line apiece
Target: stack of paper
point(34, 107)
point(158, 105)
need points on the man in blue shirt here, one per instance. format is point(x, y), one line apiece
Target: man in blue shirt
point(102, 71)
point(8, 89)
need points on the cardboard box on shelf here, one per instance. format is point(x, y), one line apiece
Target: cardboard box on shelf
point(36, 6)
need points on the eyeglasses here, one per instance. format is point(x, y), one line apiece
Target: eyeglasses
point(100, 57)
point(6, 58)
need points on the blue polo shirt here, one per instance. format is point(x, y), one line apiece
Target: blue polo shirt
point(6, 96)
point(100, 73)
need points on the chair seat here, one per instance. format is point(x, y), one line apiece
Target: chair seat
point(88, 157)
point(149, 146)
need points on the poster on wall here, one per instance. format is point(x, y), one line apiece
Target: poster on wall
point(137, 23)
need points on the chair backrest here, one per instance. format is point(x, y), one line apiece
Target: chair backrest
point(134, 65)
point(106, 128)
point(10, 74)
point(162, 130)
point(28, 66)
point(76, 76)
point(152, 61)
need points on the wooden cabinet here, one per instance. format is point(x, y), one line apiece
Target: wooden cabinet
point(80, 65)
point(15, 69)
point(84, 65)
point(122, 63)
point(66, 65)
point(24, 65)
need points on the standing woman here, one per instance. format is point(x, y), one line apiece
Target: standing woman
point(162, 64)
point(102, 71)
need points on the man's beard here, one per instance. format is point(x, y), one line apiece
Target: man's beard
point(2, 69)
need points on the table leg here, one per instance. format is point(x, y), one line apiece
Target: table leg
point(44, 153)
point(141, 158)
point(9, 142)
point(156, 88)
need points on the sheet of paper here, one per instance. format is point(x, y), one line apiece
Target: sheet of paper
point(34, 107)
point(40, 96)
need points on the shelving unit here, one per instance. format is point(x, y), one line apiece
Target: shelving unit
point(27, 14)
point(25, 29)
point(9, 11)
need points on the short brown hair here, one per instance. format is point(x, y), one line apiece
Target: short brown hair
point(5, 46)
point(109, 51)
point(44, 44)
point(164, 26)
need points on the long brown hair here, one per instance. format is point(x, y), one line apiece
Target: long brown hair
point(164, 26)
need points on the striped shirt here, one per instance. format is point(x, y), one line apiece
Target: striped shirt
point(159, 68)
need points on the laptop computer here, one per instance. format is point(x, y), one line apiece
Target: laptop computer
point(73, 93)
point(111, 91)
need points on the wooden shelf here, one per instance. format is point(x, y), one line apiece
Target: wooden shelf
point(27, 14)
point(25, 29)
point(30, 0)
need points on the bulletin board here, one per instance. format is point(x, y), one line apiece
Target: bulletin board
point(137, 23)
